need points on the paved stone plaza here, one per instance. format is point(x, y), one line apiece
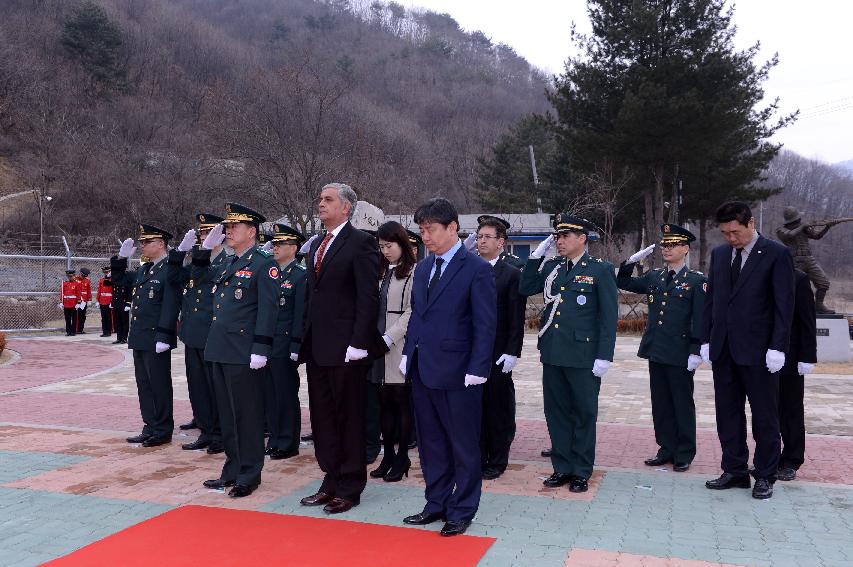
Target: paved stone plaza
point(68, 478)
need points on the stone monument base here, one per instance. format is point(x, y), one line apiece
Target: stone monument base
point(833, 338)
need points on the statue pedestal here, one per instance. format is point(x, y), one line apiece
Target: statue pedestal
point(833, 338)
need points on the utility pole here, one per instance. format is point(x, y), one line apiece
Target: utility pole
point(535, 178)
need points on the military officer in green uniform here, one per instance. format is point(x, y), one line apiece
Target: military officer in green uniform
point(285, 419)
point(153, 322)
point(676, 298)
point(577, 336)
point(196, 316)
point(245, 307)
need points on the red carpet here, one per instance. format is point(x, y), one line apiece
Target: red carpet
point(203, 536)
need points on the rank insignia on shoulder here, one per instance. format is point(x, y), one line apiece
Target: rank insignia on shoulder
point(273, 272)
point(585, 279)
point(299, 267)
point(264, 253)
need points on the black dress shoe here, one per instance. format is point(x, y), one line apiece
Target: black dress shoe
point(104, 335)
point(196, 445)
point(317, 499)
point(215, 448)
point(268, 451)
point(656, 461)
point(241, 490)
point(491, 473)
point(727, 481)
point(557, 480)
point(763, 489)
point(422, 519)
point(578, 484)
point(156, 441)
point(138, 438)
point(339, 506)
point(454, 528)
point(190, 425)
point(413, 444)
point(786, 474)
point(81, 332)
point(547, 452)
point(307, 437)
point(278, 454)
point(218, 483)
point(680, 467)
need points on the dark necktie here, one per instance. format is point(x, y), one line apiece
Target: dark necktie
point(669, 275)
point(736, 265)
point(569, 266)
point(434, 281)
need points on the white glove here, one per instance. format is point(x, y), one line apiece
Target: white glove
point(294, 356)
point(509, 361)
point(214, 238)
point(471, 380)
point(693, 362)
point(267, 247)
point(600, 367)
point(775, 360)
point(257, 361)
point(805, 368)
point(80, 305)
point(705, 353)
point(403, 363)
point(543, 248)
point(127, 307)
point(61, 306)
point(161, 347)
point(189, 240)
point(354, 354)
point(471, 242)
point(641, 254)
point(127, 248)
point(388, 341)
point(307, 246)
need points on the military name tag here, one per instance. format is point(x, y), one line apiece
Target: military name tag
point(238, 293)
point(581, 300)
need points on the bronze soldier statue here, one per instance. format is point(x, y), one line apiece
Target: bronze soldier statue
point(795, 234)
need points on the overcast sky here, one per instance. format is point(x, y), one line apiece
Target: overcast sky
point(813, 39)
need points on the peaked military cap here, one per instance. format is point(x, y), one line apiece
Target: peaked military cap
point(206, 221)
point(105, 268)
point(238, 213)
point(150, 232)
point(414, 238)
point(85, 271)
point(483, 218)
point(564, 222)
point(674, 234)
point(70, 272)
point(283, 234)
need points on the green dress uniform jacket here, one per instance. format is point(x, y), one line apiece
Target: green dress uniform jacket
point(583, 316)
point(291, 307)
point(154, 311)
point(245, 306)
point(674, 328)
point(196, 296)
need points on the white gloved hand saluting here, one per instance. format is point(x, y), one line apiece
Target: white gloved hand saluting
point(600, 367)
point(126, 249)
point(470, 243)
point(267, 247)
point(775, 360)
point(693, 362)
point(471, 380)
point(257, 361)
point(805, 368)
point(641, 254)
point(188, 242)
point(161, 347)
point(403, 363)
point(705, 353)
point(544, 247)
point(354, 354)
point(214, 238)
point(307, 246)
point(509, 361)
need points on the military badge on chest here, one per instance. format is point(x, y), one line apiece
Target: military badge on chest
point(581, 300)
point(151, 293)
point(238, 293)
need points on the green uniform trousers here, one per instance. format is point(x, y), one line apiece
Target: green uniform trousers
point(673, 411)
point(571, 411)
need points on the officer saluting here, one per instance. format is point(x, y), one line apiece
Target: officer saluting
point(153, 320)
point(577, 336)
point(245, 306)
point(285, 418)
point(671, 343)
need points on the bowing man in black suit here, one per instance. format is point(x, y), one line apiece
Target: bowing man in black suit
point(746, 329)
point(498, 429)
point(799, 361)
point(341, 311)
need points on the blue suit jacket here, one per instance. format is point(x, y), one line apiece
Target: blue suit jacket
point(756, 314)
point(453, 330)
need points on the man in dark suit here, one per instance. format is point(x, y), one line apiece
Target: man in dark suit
point(341, 310)
point(499, 391)
point(448, 356)
point(799, 362)
point(746, 330)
